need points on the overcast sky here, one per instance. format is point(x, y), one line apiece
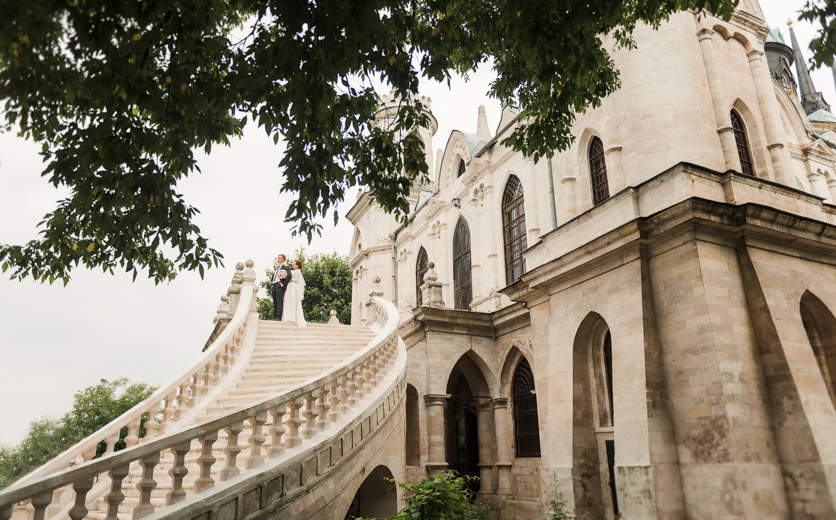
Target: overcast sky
point(56, 340)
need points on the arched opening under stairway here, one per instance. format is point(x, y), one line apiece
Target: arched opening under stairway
point(413, 434)
point(467, 387)
point(377, 496)
point(820, 326)
point(593, 425)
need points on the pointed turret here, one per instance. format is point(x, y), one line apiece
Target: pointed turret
point(483, 132)
point(811, 100)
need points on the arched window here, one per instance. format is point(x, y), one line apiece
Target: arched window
point(598, 171)
point(513, 225)
point(742, 143)
point(462, 287)
point(461, 168)
point(526, 424)
point(420, 269)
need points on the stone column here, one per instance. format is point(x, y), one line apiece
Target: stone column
point(486, 445)
point(504, 456)
point(532, 208)
point(775, 136)
point(718, 100)
point(570, 200)
point(436, 456)
point(831, 185)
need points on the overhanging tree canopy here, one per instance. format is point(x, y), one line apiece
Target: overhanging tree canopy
point(121, 94)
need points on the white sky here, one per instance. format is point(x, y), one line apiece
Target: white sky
point(57, 340)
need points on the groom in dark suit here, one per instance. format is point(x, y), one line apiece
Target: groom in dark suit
point(281, 277)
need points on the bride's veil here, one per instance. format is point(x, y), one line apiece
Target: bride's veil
point(301, 286)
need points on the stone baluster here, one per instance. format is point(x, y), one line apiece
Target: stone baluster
point(277, 429)
point(152, 427)
point(168, 412)
point(216, 371)
point(177, 472)
point(115, 496)
point(310, 416)
point(359, 381)
point(293, 423)
point(40, 503)
point(206, 460)
point(367, 376)
point(203, 387)
point(322, 407)
point(351, 379)
point(333, 400)
point(111, 442)
point(231, 450)
point(342, 394)
point(146, 485)
point(79, 509)
point(133, 432)
point(182, 401)
point(257, 439)
point(225, 361)
point(89, 453)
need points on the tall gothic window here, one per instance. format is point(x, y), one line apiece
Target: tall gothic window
point(742, 142)
point(420, 270)
point(462, 284)
point(526, 424)
point(598, 171)
point(513, 225)
point(461, 168)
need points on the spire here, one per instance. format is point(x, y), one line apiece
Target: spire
point(811, 100)
point(483, 131)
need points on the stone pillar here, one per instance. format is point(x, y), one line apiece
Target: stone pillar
point(570, 200)
point(487, 450)
point(436, 451)
point(502, 424)
point(532, 208)
point(615, 169)
point(775, 137)
point(431, 288)
point(718, 100)
point(831, 185)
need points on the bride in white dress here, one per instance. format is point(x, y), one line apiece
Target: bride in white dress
point(293, 296)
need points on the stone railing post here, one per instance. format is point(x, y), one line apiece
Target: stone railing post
point(248, 278)
point(431, 288)
point(436, 405)
point(333, 319)
point(234, 290)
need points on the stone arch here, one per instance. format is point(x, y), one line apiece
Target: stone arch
point(513, 360)
point(469, 387)
point(458, 148)
point(593, 475)
point(376, 497)
point(820, 326)
point(757, 145)
point(513, 355)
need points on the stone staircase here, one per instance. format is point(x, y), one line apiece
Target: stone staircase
point(261, 397)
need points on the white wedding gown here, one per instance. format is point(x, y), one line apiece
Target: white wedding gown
point(293, 295)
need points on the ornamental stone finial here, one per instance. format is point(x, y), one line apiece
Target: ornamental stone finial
point(249, 272)
point(223, 309)
point(376, 291)
point(431, 288)
point(333, 319)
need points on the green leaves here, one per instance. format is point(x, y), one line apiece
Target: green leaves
point(120, 94)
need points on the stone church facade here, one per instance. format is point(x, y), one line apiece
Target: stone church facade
point(645, 322)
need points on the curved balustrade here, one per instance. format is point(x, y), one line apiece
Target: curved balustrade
point(169, 403)
point(276, 427)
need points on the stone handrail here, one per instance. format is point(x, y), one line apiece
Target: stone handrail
point(308, 410)
point(180, 395)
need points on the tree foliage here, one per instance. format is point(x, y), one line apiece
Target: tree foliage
point(822, 13)
point(121, 94)
point(93, 408)
point(328, 287)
